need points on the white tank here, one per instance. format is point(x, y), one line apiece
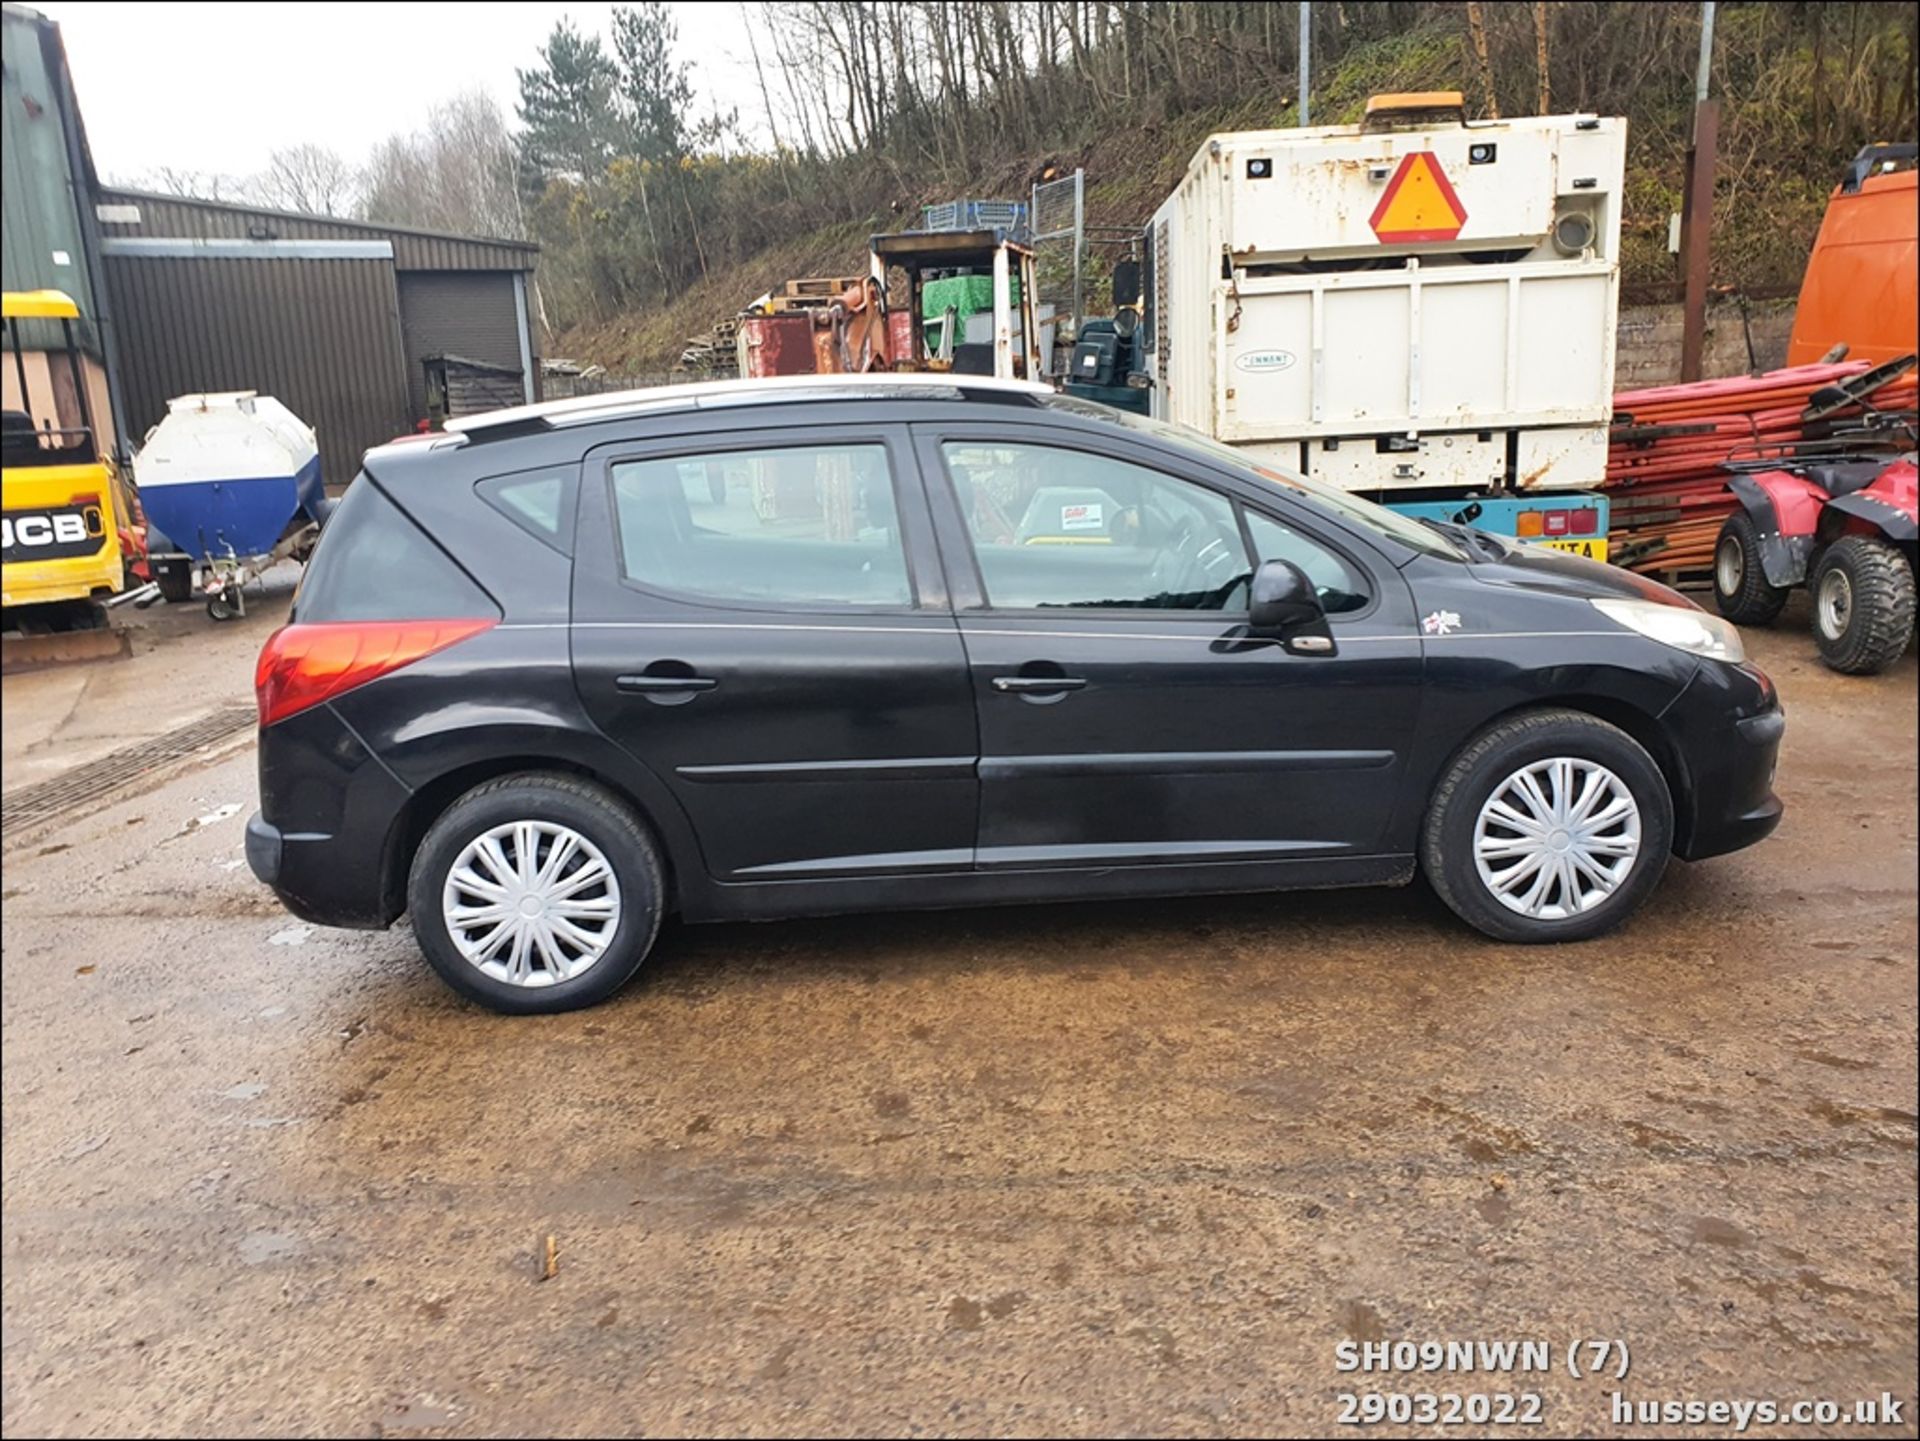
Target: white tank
point(228, 472)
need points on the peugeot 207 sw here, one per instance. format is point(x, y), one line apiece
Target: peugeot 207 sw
point(749, 650)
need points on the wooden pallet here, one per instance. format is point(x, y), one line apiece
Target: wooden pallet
point(821, 287)
point(1686, 577)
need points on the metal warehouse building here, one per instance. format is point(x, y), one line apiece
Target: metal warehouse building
point(336, 318)
point(362, 330)
point(47, 237)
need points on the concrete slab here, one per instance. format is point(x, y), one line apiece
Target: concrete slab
point(184, 664)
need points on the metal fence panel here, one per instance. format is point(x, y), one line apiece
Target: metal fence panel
point(1059, 241)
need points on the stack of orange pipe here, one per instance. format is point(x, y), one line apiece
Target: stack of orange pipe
point(1670, 445)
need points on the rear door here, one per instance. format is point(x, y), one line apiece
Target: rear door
point(1125, 715)
point(760, 618)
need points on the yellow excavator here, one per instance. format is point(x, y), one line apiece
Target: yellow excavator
point(58, 514)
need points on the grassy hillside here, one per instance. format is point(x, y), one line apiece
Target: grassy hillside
point(1123, 188)
point(1801, 89)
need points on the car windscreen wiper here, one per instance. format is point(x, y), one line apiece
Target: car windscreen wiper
point(1452, 534)
point(1489, 543)
point(1469, 540)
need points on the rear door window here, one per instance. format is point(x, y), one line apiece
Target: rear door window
point(801, 525)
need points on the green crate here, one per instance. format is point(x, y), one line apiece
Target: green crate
point(968, 294)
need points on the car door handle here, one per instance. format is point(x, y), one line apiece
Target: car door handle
point(656, 684)
point(1038, 684)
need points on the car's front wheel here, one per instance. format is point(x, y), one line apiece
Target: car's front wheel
point(1548, 826)
point(536, 893)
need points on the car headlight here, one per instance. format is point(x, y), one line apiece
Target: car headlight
point(1683, 627)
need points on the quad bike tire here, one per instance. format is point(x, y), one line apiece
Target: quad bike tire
point(1740, 585)
point(1863, 604)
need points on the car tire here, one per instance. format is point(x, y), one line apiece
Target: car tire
point(1463, 821)
point(1862, 605)
point(555, 972)
point(1740, 586)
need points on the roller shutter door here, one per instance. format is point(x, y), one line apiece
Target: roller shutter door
point(468, 313)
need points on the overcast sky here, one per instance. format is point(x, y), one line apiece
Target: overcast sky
point(217, 87)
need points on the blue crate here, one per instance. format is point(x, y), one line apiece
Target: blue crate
point(1008, 215)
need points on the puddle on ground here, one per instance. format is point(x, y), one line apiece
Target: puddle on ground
point(1361, 1322)
point(1716, 1232)
point(257, 1248)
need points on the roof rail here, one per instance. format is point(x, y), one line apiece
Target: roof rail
point(614, 405)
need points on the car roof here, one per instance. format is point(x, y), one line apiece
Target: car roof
point(700, 395)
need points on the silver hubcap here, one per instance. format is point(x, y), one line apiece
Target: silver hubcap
point(531, 903)
point(1836, 604)
point(1556, 838)
point(1729, 566)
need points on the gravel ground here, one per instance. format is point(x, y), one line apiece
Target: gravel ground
point(1101, 1170)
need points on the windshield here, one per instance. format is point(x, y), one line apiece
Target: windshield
point(1364, 513)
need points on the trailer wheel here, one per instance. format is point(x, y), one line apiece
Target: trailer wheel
point(1740, 586)
point(227, 604)
point(1862, 605)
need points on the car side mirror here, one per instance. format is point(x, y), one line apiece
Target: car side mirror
point(1126, 284)
point(1284, 606)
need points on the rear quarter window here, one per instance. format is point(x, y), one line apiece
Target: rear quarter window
point(374, 563)
point(540, 502)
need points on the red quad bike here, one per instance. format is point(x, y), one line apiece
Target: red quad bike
point(1842, 525)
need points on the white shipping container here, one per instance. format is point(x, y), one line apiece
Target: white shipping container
point(1411, 304)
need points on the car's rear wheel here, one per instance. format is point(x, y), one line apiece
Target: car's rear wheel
point(536, 893)
point(1740, 586)
point(1549, 826)
point(1862, 605)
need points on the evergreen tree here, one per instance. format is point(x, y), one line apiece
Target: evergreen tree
point(655, 93)
point(566, 108)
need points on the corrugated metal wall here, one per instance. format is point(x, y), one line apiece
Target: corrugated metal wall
point(321, 335)
point(466, 313)
point(172, 215)
point(209, 296)
point(40, 246)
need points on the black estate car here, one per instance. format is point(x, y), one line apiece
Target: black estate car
point(762, 649)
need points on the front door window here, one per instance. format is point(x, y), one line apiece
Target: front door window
point(1059, 528)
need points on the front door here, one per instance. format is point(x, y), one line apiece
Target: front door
point(760, 619)
point(1125, 715)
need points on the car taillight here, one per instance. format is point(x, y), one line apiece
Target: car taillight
point(1586, 522)
point(303, 665)
point(1556, 522)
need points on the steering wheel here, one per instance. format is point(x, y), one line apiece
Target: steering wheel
point(1201, 556)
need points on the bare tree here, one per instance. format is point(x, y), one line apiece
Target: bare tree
point(1545, 102)
point(455, 174)
point(309, 178)
point(1477, 30)
point(194, 184)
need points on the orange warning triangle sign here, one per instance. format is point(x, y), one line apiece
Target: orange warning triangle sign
point(1419, 203)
